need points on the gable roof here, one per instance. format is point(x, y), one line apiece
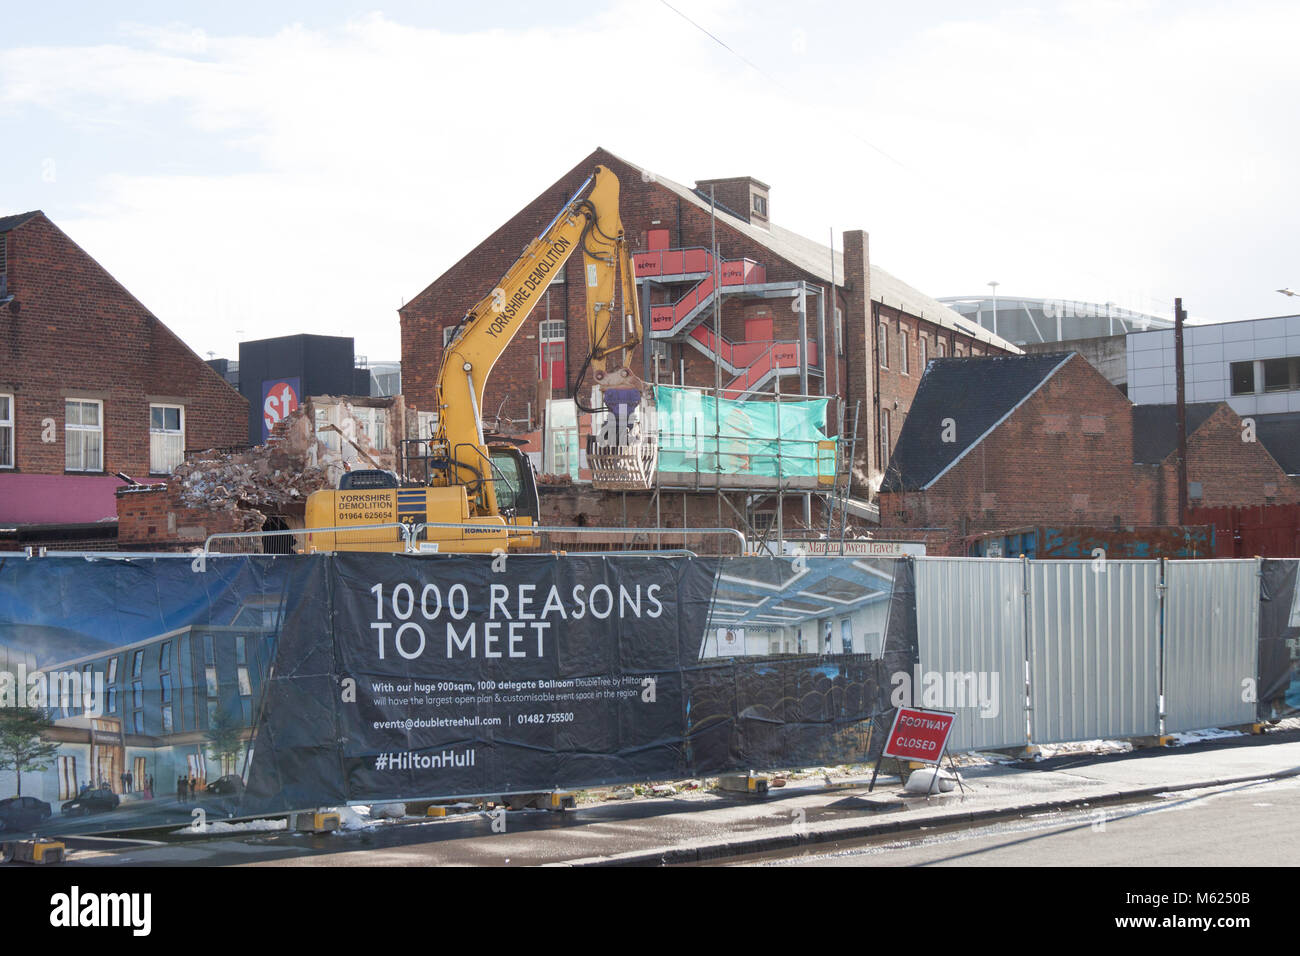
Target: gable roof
point(814, 258)
point(978, 394)
point(1155, 429)
point(13, 222)
point(1280, 435)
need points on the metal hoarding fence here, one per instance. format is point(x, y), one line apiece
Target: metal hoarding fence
point(1211, 643)
point(1094, 649)
point(971, 636)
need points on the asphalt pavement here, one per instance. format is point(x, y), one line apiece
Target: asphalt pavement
point(706, 827)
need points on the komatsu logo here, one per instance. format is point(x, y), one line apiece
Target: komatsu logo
point(539, 278)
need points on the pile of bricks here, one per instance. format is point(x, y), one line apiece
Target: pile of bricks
point(289, 467)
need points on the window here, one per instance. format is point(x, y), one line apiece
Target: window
point(551, 338)
point(167, 719)
point(166, 438)
point(112, 698)
point(939, 348)
point(373, 423)
point(165, 656)
point(67, 775)
point(1243, 378)
point(659, 352)
point(561, 451)
point(839, 331)
point(112, 670)
point(883, 340)
point(166, 688)
point(884, 437)
point(760, 205)
point(6, 431)
point(1281, 375)
point(902, 351)
point(84, 433)
point(448, 334)
point(920, 343)
point(137, 663)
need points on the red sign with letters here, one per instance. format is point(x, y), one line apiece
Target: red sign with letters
point(920, 735)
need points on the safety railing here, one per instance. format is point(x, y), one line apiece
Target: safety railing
point(408, 537)
point(518, 531)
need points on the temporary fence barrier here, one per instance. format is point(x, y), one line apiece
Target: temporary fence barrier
point(284, 682)
point(1094, 649)
point(970, 626)
point(1102, 640)
point(1211, 637)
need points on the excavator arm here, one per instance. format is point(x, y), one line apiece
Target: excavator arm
point(589, 222)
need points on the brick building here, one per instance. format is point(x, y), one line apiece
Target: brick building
point(793, 312)
point(91, 385)
point(1045, 439)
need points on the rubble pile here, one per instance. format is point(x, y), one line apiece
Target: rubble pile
point(284, 471)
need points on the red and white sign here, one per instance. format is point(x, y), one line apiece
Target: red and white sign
point(920, 735)
point(279, 399)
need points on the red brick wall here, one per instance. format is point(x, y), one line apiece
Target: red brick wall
point(641, 203)
point(79, 333)
point(897, 389)
point(152, 518)
point(1042, 465)
point(1231, 471)
point(1047, 465)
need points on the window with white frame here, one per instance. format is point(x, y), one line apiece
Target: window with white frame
point(839, 331)
point(883, 339)
point(6, 431)
point(920, 342)
point(448, 334)
point(940, 348)
point(902, 351)
point(373, 423)
point(364, 426)
point(166, 438)
point(84, 435)
point(884, 437)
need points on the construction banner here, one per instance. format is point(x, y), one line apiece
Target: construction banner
point(147, 692)
point(1279, 640)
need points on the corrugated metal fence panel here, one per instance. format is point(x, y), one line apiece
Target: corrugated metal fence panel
point(970, 621)
point(1094, 649)
point(1211, 642)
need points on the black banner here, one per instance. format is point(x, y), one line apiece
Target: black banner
point(1279, 640)
point(173, 691)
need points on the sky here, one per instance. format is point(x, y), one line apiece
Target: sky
point(271, 168)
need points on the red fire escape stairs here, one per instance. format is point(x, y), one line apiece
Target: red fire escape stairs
point(751, 363)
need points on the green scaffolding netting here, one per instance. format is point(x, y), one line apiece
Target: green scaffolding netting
point(698, 432)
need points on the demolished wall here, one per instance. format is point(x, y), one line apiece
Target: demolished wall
point(214, 492)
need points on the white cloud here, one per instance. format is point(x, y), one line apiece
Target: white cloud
point(1108, 152)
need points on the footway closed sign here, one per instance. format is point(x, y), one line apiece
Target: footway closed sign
point(919, 734)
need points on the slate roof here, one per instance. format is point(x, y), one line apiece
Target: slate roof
point(814, 258)
point(1155, 429)
point(11, 222)
point(1280, 436)
point(977, 393)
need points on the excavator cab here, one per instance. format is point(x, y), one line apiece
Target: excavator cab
point(516, 486)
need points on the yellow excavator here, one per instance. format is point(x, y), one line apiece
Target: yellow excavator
point(465, 479)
